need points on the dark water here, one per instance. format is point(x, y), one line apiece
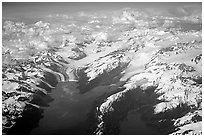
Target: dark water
point(135, 125)
point(68, 112)
point(32, 115)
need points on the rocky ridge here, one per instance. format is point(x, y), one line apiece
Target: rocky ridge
point(23, 79)
point(160, 69)
point(177, 85)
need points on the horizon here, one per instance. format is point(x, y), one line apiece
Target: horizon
point(12, 10)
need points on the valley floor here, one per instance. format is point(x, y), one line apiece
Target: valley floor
point(130, 75)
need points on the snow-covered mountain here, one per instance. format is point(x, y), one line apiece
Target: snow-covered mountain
point(146, 64)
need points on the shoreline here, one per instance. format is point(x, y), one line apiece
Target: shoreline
point(35, 89)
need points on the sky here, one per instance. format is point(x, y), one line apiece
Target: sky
point(40, 9)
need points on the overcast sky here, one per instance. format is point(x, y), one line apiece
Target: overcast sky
point(19, 9)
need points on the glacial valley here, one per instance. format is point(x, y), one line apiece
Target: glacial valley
point(127, 72)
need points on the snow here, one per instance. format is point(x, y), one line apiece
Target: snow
point(107, 64)
point(106, 106)
point(101, 36)
point(190, 129)
point(9, 87)
point(167, 59)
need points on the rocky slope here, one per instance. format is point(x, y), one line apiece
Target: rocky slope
point(175, 86)
point(22, 80)
point(147, 64)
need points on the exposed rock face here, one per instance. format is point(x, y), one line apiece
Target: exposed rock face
point(176, 86)
point(106, 64)
point(102, 70)
point(147, 64)
point(22, 80)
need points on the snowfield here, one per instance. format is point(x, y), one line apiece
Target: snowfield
point(136, 61)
